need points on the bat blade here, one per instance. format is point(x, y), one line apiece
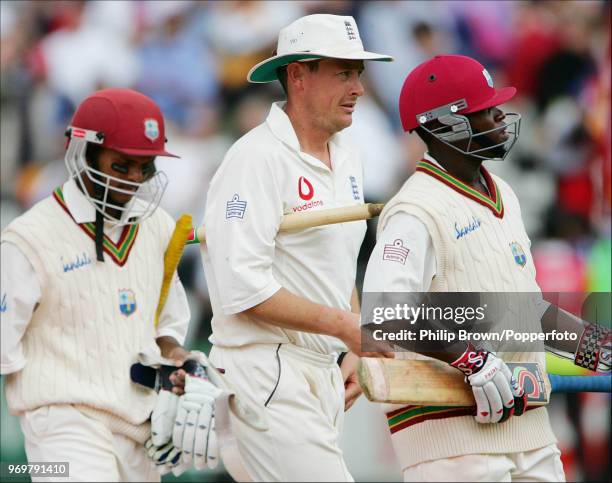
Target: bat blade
point(434, 383)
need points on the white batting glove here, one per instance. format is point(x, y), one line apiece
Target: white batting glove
point(194, 432)
point(166, 458)
point(498, 395)
point(163, 417)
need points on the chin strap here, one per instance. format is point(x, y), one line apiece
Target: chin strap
point(98, 193)
point(99, 236)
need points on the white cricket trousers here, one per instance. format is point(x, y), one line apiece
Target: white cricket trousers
point(303, 393)
point(60, 433)
point(543, 464)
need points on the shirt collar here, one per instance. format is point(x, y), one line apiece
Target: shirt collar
point(280, 125)
point(79, 206)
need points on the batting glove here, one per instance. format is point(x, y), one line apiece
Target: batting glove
point(163, 417)
point(497, 393)
point(194, 428)
point(166, 457)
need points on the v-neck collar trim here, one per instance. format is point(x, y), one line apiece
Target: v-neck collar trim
point(493, 202)
point(119, 251)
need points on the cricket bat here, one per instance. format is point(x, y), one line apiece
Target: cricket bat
point(302, 221)
point(434, 383)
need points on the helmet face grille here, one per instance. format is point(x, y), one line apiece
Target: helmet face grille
point(456, 127)
point(145, 196)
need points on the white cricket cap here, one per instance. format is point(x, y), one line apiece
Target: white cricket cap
point(317, 36)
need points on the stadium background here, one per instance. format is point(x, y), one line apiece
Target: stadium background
point(192, 58)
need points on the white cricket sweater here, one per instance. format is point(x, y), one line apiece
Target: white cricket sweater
point(493, 256)
point(93, 317)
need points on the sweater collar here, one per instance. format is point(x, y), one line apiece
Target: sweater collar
point(494, 202)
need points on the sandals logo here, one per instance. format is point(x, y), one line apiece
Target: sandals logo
point(81, 261)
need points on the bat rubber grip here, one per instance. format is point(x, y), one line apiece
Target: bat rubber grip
point(580, 383)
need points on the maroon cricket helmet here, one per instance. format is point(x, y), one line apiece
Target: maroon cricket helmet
point(129, 121)
point(443, 81)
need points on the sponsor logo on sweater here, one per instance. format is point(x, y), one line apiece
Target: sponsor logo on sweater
point(461, 231)
point(81, 261)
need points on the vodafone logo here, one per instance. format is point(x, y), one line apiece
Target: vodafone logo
point(305, 189)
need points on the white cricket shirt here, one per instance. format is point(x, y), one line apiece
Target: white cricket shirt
point(246, 260)
point(385, 274)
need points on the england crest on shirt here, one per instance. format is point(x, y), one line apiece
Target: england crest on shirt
point(518, 253)
point(127, 302)
point(354, 188)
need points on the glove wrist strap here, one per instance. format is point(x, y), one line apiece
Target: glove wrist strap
point(471, 361)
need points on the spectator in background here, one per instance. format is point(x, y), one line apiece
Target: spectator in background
point(410, 31)
point(177, 68)
point(242, 34)
point(84, 56)
point(485, 30)
point(535, 40)
point(70, 50)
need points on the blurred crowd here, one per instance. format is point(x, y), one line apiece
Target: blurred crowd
point(192, 58)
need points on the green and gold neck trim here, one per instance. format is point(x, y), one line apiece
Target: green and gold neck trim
point(410, 415)
point(494, 202)
point(120, 251)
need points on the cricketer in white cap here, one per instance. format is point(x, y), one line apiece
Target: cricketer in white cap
point(285, 305)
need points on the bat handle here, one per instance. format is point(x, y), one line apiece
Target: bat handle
point(580, 383)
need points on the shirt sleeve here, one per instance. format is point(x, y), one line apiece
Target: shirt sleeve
point(175, 316)
point(20, 294)
point(243, 213)
point(403, 259)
